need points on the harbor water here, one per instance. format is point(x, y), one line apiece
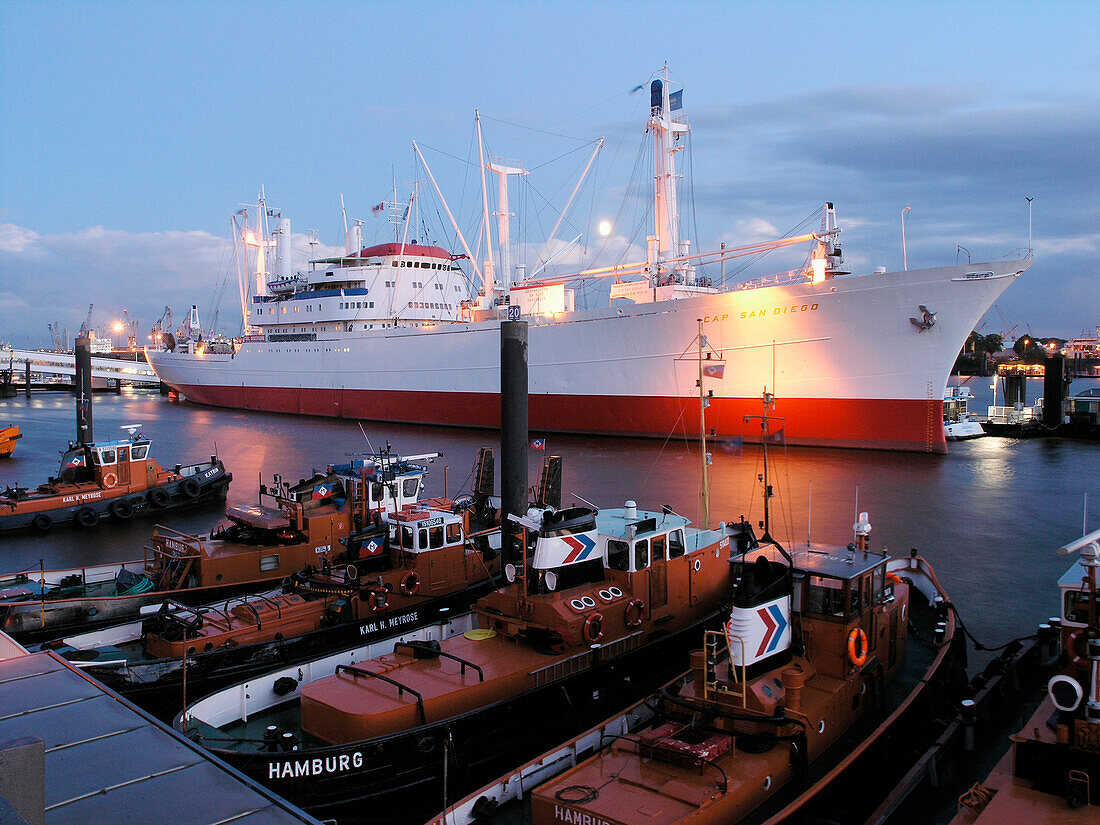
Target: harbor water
point(988, 515)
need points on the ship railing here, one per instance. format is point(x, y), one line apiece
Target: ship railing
point(565, 668)
point(401, 689)
point(793, 276)
point(1011, 415)
point(433, 650)
point(716, 643)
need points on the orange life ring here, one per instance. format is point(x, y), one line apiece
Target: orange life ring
point(857, 647)
point(593, 628)
point(410, 583)
point(1077, 646)
point(110, 480)
point(635, 609)
point(376, 601)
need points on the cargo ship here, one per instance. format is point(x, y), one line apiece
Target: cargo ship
point(387, 332)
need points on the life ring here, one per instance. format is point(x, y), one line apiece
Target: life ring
point(1077, 646)
point(635, 609)
point(159, 497)
point(857, 647)
point(593, 628)
point(121, 509)
point(410, 583)
point(42, 523)
point(110, 480)
point(190, 488)
point(86, 517)
point(376, 601)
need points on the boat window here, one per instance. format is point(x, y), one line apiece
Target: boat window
point(676, 544)
point(410, 487)
point(659, 548)
point(618, 555)
point(139, 453)
point(879, 584)
point(435, 537)
point(1077, 607)
point(123, 454)
point(377, 491)
point(422, 544)
point(406, 537)
point(106, 457)
point(641, 554)
point(861, 592)
point(393, 535)
point(269, 562)
point(454, 533)
point(826, 596)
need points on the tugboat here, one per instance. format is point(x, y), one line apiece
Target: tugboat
point(765, 719)
point(254, 549)
point(410, 568)
point(112, 478)
point(1051, 774)
point(8, 436)
point(109, 478)
point(806, 677)
point(594, 615)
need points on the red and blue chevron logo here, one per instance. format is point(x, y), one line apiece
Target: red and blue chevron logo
point(581, 547)
point(776, 623)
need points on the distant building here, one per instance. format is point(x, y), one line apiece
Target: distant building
point(1083, 347)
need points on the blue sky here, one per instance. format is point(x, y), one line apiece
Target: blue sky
point(131, 131)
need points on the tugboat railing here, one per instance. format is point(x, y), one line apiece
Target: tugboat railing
point(416, 645)
point(358, 671)
point(582, 661)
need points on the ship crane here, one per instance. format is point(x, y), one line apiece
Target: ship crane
point(86, 327)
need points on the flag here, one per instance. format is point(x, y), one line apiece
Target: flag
point(322, 490)
point(778, 437)
point(76, 461)
point(676, 100)
point(378, 208)
point(538, 443)
point(714, 370)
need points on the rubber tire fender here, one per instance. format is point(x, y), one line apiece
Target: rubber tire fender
point(86, 517)
point(190, 488)
point(159, 497)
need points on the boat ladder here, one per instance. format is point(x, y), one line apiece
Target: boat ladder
point(716, 647)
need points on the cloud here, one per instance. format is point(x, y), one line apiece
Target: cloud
point(53, 277)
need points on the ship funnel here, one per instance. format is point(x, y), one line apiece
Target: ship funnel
point(759, 627)
point(567, 537)
point(282, 248)
point(353, 240)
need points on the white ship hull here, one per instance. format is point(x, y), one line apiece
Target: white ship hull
point(847, 358)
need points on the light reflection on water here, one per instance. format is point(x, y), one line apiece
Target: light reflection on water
point(988, 515)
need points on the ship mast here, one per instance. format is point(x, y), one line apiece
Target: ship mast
point(769, 401)
point(666, 133)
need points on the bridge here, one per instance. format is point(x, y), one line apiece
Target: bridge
point(61, 363)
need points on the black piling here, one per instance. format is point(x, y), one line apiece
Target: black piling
point(82, 385)
point(1054, 390)
point(513, 429)
point(27, 385)
point(1015, 389)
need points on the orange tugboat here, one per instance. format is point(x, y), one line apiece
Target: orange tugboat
point(1051, 774)
point(8, 436)
point(306, 524)
point(596, 614)
point(108, 478)
point(409, 569)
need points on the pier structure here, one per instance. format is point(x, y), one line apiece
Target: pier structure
point(64, 364)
